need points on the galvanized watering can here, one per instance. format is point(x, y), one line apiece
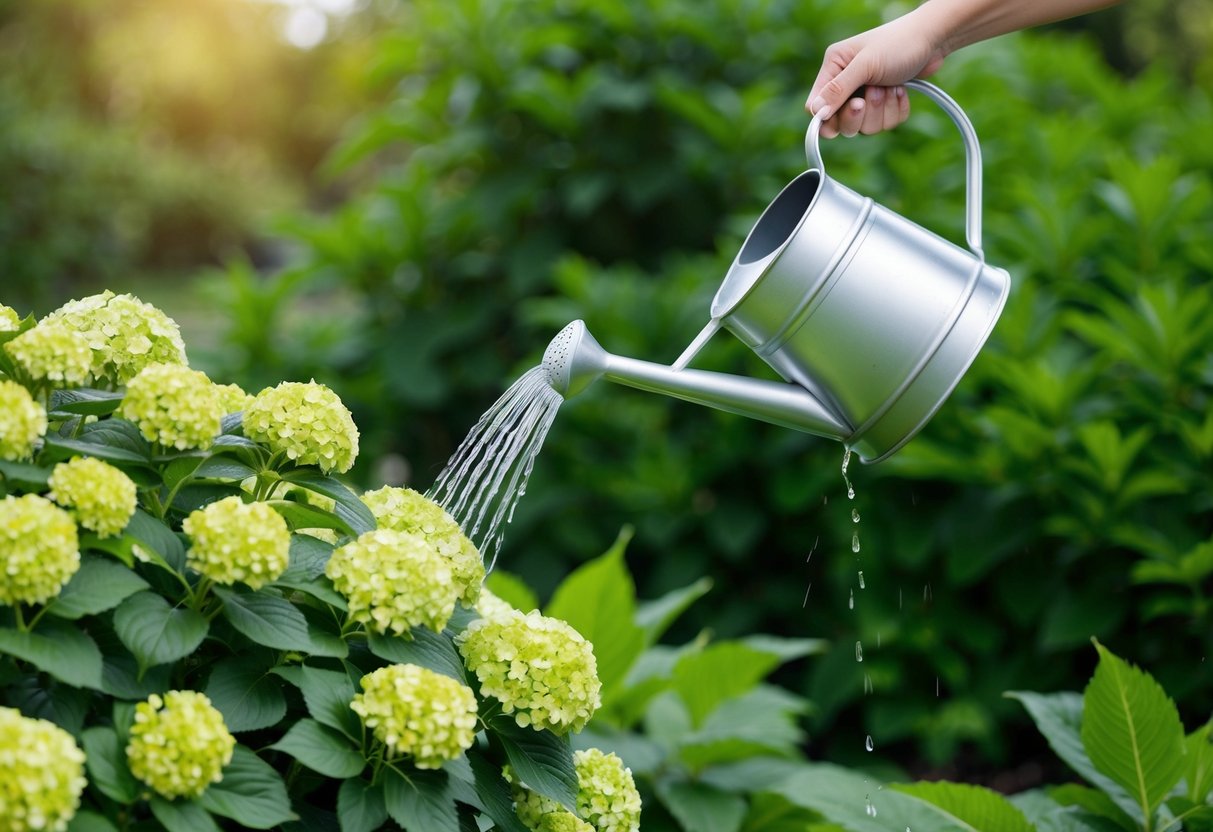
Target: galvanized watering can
point(871, 318)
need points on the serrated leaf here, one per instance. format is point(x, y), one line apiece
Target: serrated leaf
point(1200, 763)
point(98, 585)
point(352, 511)
point(322, 749)
point(247, 695)
point(181, 815)
point(434, 651)
point(105, 759)
point(360, 806)
point(61, 650)
point(718, 672)
point(250, 793)
point(327, 695)
point(155, 632)
point(702, 808)
point(540, 759)
point(420, 801)
point(1093, 801)
point(272, 621)
point(977, 807)
point(1131, 731)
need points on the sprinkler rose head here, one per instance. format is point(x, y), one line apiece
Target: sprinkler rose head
point(573, 360)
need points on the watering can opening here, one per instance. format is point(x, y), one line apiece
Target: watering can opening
point(780, 219)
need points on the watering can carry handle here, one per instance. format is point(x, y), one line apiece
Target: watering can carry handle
point(972, 157)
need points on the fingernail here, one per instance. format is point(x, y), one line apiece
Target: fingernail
point(877, 94)
point(819, 107)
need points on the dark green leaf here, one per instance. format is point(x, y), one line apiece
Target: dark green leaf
point(349, 507)
point(540, 759)
point(226, 470)
point(98, 585)
point(121, 676)
point(301, 516)
point(851, 800)
point(1200, 763)
point(360, 806)
point(655, 616)
point(105, 757)
point(1093, 801)
point(182, 468)
point(86, 821)
point(181, 815)
point(153, 535)
point(322, 749)
point(308, 557)
point(420, 801)
point(248, 697)
point(24, 477)
point(701, 807)
point(494, 794)
point(41, 698)
point(978, 807)
point(155, 632)
point(250, 793)
point(84, 401)
point(320, 588)
point(63, 651)
point(428, 649)
point(271, 621)
point(328, 694)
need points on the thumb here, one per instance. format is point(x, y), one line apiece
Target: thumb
point(835, 92)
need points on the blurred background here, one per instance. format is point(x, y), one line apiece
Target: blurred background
point(406, 199)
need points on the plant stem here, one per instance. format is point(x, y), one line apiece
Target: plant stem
point(20, 619)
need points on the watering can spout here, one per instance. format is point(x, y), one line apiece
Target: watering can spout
point(574, 360)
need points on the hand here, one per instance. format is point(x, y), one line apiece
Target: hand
point(882, 59)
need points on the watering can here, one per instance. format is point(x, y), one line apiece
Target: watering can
point(871, 319)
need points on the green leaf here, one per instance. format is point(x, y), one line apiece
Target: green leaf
point(272, 621)
point(114, 440)
point(1093, 801)
point(121, 676)
point(540, 759)
point(63, 651)
point(98, 585)
point(24, 477)
point(434, 651)
point(1131, 731)
point(250, 793)
point(511, 589)
point(155, 632)
point(718, 672)
point(220, 469)
point(656, 616)
point(599, 601)
point(86, 821)
point(360, 806)
point(1200, 763)
point(84, 401)
point(327, 695)
point(308, 557)
point(494, 794)
point(154, 536)
point(420, 801)
point(105, 758)
point(353, 512)
point(322, 749)
point(41, 698)
point(247, 695)
point(977, 807)
point(182, 815)
point(699, 807)
point(301, 516)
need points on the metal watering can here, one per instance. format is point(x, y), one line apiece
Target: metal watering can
point(871, 318)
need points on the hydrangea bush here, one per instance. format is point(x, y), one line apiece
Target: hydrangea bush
point(201, 627)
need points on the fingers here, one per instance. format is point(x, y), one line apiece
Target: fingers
point(881, 108)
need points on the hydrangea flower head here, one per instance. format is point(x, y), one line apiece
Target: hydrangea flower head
point(607, 798)
point(173, 406)
point(22, 422)
point(540, 669)
point(237, 541)
point(393, 581)
point(10, 321)
point(39, 551)
point(124, 333)
point(491, 605)
point(179, 744)
point(417, 712)
point(52, 352)
point(41, 774)
point(406, 510)
point(101, 497)
point(307, 422)
point(233, 398)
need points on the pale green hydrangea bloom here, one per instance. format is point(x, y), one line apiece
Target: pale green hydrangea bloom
point(237, 541)
point(540, 669)
point(41, 774)
point(173, 406)
point(22, 422)
point(607, 798)
point(307, 422)
point(233, 398)
point(124, 333)
point(52, 352)
point(406, 510)
point(39, 550)
point(417, 712)
point(490, 605)
point(393, 581)
point(10, 321)
point(101, 497)
point(179, 744)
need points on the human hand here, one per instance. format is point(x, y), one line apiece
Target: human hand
point(881, 59)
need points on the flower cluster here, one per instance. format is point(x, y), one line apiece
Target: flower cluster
point(52, 352)
point(233, 398)
point(540, 669)
point(101, 497)
point(406, 510)
point(10, 321)
point(22, 422)
point(490, 605)
point(393, 581)
point(238, 541)
point(41, 774)
point(173, 406)
point(306, 422)
point(415, 711)
point(124, 333)
point(179, 744)
point(39, 551)
point(607, 798)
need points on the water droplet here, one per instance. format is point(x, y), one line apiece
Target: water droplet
point(859, 651)
point(871, 807)
point(868, 744)
point(926, 592)
point(846, 460)
point(937, 686)
point(867, 684)
point(855, 542)
point(851, 601)
point(806, 596)
point(854, 515)
point(861, 584)
point(899, 601)
point(850, 492)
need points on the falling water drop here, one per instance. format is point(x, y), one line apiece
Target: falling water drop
point(850, 491)
point(867, 684)
point(806, 596)
point(855, 541)
point(868, 744)
point(926, 592)
point(861, 584)
point(851, 601)
point(937, 686)
point(871, 807)
point(899, 600)
point(859, 651)
point(854, 515)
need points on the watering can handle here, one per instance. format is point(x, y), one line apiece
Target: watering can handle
point(972, 157)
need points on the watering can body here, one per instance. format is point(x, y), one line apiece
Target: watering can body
point(871, 317)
